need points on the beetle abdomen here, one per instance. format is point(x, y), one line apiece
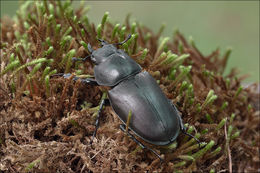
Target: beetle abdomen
point(153, 117)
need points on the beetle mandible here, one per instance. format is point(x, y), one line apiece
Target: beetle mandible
point(155, 119)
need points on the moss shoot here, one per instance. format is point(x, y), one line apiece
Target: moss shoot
point(47, 122)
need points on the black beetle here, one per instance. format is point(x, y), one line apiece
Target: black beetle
point(154, 119)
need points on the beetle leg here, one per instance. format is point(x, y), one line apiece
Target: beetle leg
point(182, 127)
point(90, 81)
point(80, 59)
point(123, 128)
point(103, 102)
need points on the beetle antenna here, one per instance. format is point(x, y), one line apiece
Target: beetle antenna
point(103, 42)
point(80, 59)
point(191, 137)
point(127, 38)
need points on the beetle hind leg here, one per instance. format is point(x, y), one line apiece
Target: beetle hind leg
point(123, 128)
point(182, 127)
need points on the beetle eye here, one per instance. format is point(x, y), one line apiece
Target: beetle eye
point(93, 59)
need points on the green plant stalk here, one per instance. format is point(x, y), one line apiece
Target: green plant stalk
point(122, 34)
point(180, 47)
point(64, 40)
point(51, 8)
point(135, 44)
point(228, 83)
point(232, 118)
point(235, 135)
point(186, 157)
point(34, 70)
point(48, 41)
point(209, 118)
point(57, 29)
point(209, 99)
point(67, 32)
point(183, 87)
point(144, 54)
point(178, 61)
point(190, 90)
point(189, 131)
point(99, 31)
point(161, 57)
point(104, 19)
point(221, 124)
point(75, 123)
point(45, 72)
point(53, 72)
point(127, 44)
point(184, 71)
point(161, 46)
point(49, 51)
point(12, 58)
point(147, 37)
point(238, 91)
point(204, 131)
point(172, 74)
point(170, 58)
point(36, 61)
point(230, 129)
point(191, 141)
point(170, 146)
point(161, 29)
point(215, 152)
point(31, 165)
point(193, 147)
point(128, 121)
point(133, 28)
point(179, 164)
point(84, 44)
point(29, 80)
point(115, 30)
point(198, 108)
point(224, 106)
point(10, 66)
point(204, 150)
point(69, 61)
point(47, 85)
point(249, 107)
point(212, 170)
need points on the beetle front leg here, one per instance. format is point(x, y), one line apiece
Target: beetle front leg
point(89, 81)
point(123, 128)
point(80, 59)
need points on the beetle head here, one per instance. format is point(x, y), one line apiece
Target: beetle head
point(100, 55)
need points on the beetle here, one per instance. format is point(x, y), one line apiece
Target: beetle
point(155, 119)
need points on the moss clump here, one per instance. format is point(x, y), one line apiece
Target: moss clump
point(47, 123)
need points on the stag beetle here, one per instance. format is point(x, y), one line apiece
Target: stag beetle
point(155, 119)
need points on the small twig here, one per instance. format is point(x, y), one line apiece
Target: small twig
point(228, 149)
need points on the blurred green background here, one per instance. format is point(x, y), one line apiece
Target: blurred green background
point(212, 24)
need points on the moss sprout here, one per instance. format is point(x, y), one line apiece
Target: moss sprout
point(46, 117)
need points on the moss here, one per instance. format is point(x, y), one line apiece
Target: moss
point(47, 122)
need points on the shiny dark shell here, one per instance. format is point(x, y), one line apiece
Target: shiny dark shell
point(154, 118)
